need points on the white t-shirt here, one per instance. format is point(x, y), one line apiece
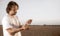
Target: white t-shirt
point(9, 22)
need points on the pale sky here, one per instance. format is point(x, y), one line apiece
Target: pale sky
point(40, 11)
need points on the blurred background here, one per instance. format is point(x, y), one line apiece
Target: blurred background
point(44, 13)
point(40, 11)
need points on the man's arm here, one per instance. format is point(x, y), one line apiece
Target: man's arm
point(12, 31)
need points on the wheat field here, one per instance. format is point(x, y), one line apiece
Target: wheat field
point(39, 30)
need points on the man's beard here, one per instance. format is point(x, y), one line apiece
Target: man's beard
point(14, 13)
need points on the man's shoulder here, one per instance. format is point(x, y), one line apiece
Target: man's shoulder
point(5, 17)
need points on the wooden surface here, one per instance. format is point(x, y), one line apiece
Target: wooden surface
point(40, 30)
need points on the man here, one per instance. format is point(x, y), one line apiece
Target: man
point(10, 22)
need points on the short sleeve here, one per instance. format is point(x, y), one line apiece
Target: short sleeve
point(5, 23)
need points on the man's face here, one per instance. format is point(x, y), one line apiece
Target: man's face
point(13, 10)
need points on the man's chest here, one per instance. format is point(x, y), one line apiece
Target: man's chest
point(14, 22)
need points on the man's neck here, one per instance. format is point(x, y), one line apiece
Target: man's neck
point(11, 15)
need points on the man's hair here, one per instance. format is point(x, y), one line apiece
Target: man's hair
point(10, 5)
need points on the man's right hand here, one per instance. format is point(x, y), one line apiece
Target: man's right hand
point(22, 28)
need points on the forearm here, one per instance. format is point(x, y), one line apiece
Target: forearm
point(13, 31)
point(16, 30)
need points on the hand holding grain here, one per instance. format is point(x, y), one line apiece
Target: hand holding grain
point(28, 23)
